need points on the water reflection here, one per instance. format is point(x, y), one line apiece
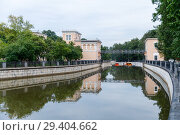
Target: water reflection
point(154, 91)
point(104, 100)
point(92, 84)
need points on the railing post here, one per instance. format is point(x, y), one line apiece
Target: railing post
point(160, 63)
point(4, 65)
point(69, 63)
point(25, 64)
point(179, 75)
point(57, 63)
point(43, 63)
point(176, 66)
point(171, 67)
point(155, 63)
point(165, 64)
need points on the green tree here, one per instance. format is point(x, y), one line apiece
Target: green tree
point(83, 39)
point(60, 50)
point(18, 43)
point(168, 13)
point(75, 54)
point(28, 47)
point(105, 56)
point(18, 24)
point(52, 35)
point(2, 49)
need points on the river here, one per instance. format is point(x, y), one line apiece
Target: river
point(116, 93)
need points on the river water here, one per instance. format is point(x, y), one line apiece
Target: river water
point(116, 93)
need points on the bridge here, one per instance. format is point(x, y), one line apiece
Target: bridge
point(123, 51)
point(122, 81)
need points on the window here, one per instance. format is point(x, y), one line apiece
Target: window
point(92, 46)
point(68, 37)
point(155, 89)
point(155, 45)
point(155, 57)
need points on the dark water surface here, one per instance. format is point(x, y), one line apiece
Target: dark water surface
point(116, 93)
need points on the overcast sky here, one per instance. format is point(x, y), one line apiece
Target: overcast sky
point(111, 21)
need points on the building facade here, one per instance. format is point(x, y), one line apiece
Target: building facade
point(40, 35)
point(91, 48)
point(151, 51)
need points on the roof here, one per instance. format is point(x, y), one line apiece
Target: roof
point(40, 34)
point(91, 41)
point(71, 31)
point(150, 39)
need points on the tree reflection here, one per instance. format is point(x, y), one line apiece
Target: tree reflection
point(104, 73)
point(136, 73)
point(163, 103)
point(128, 73)
point(21, 103)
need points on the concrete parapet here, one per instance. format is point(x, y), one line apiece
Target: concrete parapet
point(13, 73)
point(164, 75)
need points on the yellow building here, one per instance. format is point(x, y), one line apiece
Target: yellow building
point(151, 51)
point(91, 48)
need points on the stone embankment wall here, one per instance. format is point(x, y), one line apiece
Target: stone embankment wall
point(29, 82)
point(12, 78)
point(108, 64)
point(14, 73)
point(165, 78)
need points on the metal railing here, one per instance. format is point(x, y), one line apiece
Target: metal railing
point(123, 51)
point(171, 67)
point(49, 63)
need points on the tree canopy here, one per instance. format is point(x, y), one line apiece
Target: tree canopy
point(19, 43)
point(168, 13)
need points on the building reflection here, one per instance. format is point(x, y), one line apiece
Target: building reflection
point(151, 86)
point(92, 84)
point(74, 98)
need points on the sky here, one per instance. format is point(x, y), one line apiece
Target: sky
point(111, 21)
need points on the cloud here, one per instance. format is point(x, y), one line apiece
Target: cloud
point(109, 20)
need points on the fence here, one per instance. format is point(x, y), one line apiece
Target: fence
point(171, 67)
point(49, 63)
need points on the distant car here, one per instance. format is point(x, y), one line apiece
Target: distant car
point(116, 64)
point(128, 64)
